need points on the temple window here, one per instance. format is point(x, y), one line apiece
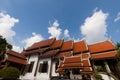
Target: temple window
point(31, 66)
point(43, 67)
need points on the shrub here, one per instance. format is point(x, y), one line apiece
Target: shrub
point(100, 69)
point(97, 76)
point(10, 72)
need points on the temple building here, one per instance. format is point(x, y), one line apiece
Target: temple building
point(14, 59)
point(53, 58)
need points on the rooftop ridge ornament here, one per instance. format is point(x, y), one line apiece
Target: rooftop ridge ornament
point(110, 38)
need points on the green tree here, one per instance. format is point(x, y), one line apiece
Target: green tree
point(10, 72)
point(118, 49)
point(4, 46)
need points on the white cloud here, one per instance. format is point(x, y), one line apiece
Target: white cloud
point(94, 28)
point(117, 17)
point(17, 48)
point(66, 33)
point(6, 29)
point(34, 38)
point(6, 24)
point(95, 9)
point(54, 30)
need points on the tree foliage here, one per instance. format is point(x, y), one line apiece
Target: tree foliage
point(10, 72)
point(98, 76)
point(4, 46)
point(118, 49)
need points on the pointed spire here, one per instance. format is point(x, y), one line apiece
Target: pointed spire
point(72, 38)
point(23, 49)
point(110, 38)
point(63, 37)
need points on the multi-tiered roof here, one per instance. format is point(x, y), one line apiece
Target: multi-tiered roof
point(15, 57)
point(73, 54)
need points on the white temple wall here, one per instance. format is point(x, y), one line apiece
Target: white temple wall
point(30, 75)
point(53, 70)
point(44, 76)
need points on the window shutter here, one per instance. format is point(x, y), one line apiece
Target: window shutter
point(27, 67)
point(31, 67)
point(40, 67)
point(47, 67)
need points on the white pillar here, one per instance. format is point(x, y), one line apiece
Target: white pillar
point(107, 67)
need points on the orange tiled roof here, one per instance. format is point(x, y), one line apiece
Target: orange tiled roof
point(111, 54)
point(50, 53)
point(73, 65)
point(68, 45)
point(86, 70)
point(12, 58)
point(56, 44)
point(16, 54)
point(59, 70)
point(84, 55)
point(86, 63)
point(42, 43)
point(72, 59)
point(64, 54)
point(79, 47)
point(41, 50)
point(100, 47)
point(60, 64)
point(76, 61)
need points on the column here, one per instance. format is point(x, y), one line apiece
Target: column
point(107, 67)
point(93, 66)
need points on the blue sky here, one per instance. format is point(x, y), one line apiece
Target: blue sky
point(23, 22)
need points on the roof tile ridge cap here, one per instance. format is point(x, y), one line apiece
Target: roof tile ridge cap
point(105, 52)
point(72, 43)
point(99, 42)
point(86, 44)
point(112, 43)
point(16, 54)
point(29, 47)
point(71, 52)
point(53, 40)
point(67, 57)
point(62, 41)
point(89, 54)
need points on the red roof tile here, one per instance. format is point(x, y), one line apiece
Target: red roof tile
point(42, 43)
point(50, 53)
point(86, 70)
point(11, 52)
point(72, 59)
point(84, 55)
point(86, 63)
point(79, 47)
point(111, 54)
point(73, 65)
point(76, 62)
point(100, 47)
point(56, 44)
point(64, 54)
point(12, 58)
point(40, 50)
point(68, 45)
point(59, 70)
point(60, 64)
